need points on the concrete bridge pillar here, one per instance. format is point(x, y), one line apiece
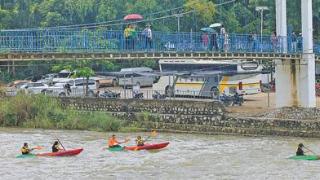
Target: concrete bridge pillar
point(295, 80)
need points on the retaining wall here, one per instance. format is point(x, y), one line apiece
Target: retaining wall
point(198, 117)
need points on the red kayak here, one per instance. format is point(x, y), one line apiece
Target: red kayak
point(147, 146)
point(71, 152)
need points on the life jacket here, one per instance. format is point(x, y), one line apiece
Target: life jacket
point(139, 142)
point(299, 152)
point(112, 142)
point(55, 148)
point(25, 150)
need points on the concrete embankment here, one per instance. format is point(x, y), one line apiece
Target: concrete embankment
point(203, 117)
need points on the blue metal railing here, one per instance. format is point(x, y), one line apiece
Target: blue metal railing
point(100, 40)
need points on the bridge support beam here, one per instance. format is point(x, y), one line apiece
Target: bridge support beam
point(295, 80)
point(281, 24)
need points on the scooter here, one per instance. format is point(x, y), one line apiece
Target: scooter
point(157, 95)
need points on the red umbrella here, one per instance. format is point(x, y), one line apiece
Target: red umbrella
point(133, 17)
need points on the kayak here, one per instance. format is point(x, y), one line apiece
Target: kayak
point(147, 146)
point(71, 152)
point(26, 156)
point(305, 157)
point(113, 149)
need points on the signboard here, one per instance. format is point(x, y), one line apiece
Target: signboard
point(249, 65)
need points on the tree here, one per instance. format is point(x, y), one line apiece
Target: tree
point(204, 9)
point(85, 73)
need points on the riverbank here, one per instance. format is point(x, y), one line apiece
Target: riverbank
point(204, 117)
point(131, 115)
point(39, 111)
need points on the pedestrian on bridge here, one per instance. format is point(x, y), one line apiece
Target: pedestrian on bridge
point(205, 40)
point(147, 32)
point(274, 41)
point(293, 42)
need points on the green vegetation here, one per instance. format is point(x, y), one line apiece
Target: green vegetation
point(238, 16)
point(39, 111)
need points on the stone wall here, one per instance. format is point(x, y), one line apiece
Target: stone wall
point(153, 106)
point(207, 124)
point(198, 117)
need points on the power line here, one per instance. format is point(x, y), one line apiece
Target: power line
point(118, 21)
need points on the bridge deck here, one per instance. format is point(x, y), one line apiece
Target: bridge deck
point(62, 44)
point(145, 55)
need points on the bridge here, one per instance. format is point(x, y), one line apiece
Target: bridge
point(295, 59)
point(66, 44)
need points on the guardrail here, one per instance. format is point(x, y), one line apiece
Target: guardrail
point(99, 40)
point(127, 94)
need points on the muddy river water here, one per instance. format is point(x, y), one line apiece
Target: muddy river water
point(188, 156)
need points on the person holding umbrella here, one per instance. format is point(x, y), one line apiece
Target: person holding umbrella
point(130, 32)
point(206, 41)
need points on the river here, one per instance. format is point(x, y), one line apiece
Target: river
point(188, 156)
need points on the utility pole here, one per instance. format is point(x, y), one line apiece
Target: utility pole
point(178, 18)
point(261, 9)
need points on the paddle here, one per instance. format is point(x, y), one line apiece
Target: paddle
point(125, 141)
point(61, 144)
point(309, 150)
point(37, 148)
point(152, 134)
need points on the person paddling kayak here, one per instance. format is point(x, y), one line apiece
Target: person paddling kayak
point(56, 147)
point(140, 141)
point(25, 149)
point(300, 151)
point(113, 142)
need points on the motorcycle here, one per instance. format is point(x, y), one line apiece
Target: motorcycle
point(238, 100)
point(137, 95)
point(157, 95)
point(232, 100)
point(109, 95)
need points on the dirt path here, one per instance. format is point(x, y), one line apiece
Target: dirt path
point(257, 104)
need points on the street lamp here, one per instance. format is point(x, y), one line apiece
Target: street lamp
point(178, 16)
point(261, 9)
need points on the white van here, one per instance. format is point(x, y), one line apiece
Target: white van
point(73, 88)
point(129, 77)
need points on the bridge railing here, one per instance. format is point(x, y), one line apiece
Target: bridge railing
point(115, 41)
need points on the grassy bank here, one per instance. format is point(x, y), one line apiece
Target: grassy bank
point(39, 111)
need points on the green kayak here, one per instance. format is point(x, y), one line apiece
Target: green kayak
point(26, 156)
point(114, 149)
point(305, 157)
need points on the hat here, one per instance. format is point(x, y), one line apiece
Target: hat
point(148, 25)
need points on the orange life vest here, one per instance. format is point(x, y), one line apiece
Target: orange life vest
point(112, 142)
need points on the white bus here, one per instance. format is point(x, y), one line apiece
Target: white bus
point(208, 78)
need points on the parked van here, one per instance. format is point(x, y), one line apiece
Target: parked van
point(74, 88)
point(129, 77)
